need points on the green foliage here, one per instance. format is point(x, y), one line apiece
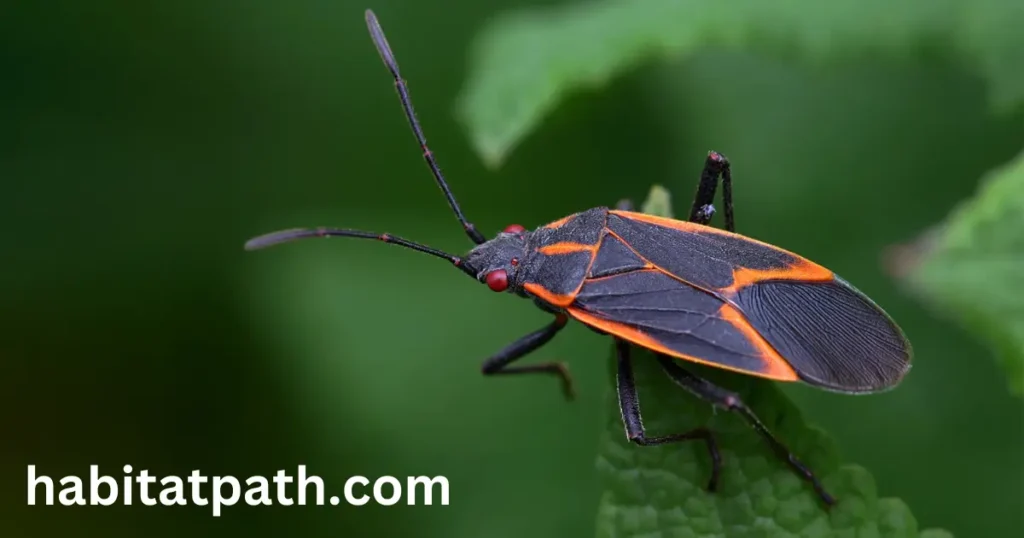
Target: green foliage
point(526, 62)
point(659, 202)
point(936, 533)
point(660, 491)
point(972, 264)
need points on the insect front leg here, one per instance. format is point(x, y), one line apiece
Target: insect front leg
point(703, 209)
point(499, 363)
point(725, 399)
point(629, 406)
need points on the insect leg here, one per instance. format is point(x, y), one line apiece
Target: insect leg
point(629, 406)
point(720, 397)
point(499, 363)
point(625, 204)
point(702, 209)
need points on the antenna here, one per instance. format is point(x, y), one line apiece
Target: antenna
point(286, 236)
point(388, 57)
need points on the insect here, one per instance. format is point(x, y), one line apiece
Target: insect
point(683, 289)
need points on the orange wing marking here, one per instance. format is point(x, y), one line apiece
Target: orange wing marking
point(648, 266)
point(693, 228)
point(645, 269)
point(681, 225)
point(775, 367)
point(803, 271)
point(544, 294)
point(774, 363)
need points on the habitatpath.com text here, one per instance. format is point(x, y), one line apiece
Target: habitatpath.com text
point(220, 491)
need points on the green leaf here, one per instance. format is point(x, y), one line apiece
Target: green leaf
point(525, 62)
point(970, 266)
point(659, 202)
point(936, 533)
point(660, 491)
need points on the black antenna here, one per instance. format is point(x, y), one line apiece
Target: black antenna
point(285, 236)
point(384, 49)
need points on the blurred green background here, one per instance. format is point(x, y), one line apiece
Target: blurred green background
point(144, 142)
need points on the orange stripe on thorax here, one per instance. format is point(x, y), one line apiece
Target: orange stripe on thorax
point(558, 299)
point(566, 247)
point(559, 223)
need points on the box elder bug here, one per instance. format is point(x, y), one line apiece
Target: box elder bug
point(682, 289)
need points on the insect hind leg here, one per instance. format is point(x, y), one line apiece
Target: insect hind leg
point(716, 165)
point(730, 401)
point(629, 405)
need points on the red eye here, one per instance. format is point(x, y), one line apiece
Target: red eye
point(497, 280)
point(514, 229)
